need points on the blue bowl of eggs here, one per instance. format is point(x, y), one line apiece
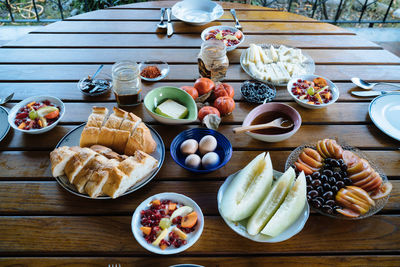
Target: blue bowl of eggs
point(201, 150)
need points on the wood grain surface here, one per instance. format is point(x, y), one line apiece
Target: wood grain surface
point(41, 224)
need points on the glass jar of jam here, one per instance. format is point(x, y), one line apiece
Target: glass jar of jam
point(127, 85)
point(212, 60)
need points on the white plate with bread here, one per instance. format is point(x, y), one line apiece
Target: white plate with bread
point(109, 156)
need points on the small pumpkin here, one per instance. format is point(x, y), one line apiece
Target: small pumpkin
point(191, 91)
point(204, 85)
point(224, 104)
point(224, 89)
point(206, 110)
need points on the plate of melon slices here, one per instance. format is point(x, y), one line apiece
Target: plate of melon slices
point(262, 204)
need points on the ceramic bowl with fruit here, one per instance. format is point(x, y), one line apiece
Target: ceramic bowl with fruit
point(264, 205)
point(231, 36)
point(167, 223)
point(201, 150)
point(268, 112)
point(342, 182)
point(36, 114)
point(170, 105)
point(313, 91)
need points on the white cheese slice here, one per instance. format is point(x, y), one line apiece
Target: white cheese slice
point(274, 54)
point(172, 109)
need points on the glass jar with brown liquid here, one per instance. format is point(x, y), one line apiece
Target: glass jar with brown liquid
point(212, 60)
point(127, 85)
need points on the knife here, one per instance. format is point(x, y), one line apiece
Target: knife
point(372, 93)
point(170, 30)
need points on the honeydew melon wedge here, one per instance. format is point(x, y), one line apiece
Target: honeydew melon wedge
point(271, 203)
point(247, 189)
point(290, 209)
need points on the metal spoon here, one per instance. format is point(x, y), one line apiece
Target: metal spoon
point(8, 98)
point(162, 25)
point(237, 25)
point(277, 123)
point(97, 72)
point(368, 86)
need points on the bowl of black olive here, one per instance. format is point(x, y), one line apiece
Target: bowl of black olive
point(257, 92)
point(94, 87)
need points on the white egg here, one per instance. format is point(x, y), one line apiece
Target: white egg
point(189, 146)
point(193, 161)
point(209, 160)
point(207, 144)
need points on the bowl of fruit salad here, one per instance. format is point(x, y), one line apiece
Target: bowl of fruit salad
point(36, 114)
point(313, 91)
point(167, 223)
point(231, 36)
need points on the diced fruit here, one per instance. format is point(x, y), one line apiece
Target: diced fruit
point(320, 82)
point(31, 104)
point(382, 192)
point(33, 114)
point(146, 230)
point(52, 115)
point(180, 233)
point(189, 220)
point(163, 246)
point(156, 202)
point(172, 109)
point(165, 223)
point(239, 35)
point(290, 209)
point(160, 237)
point(43, 121)
point(171, 206)
point(182, 211)
point(43, 111)
point(271, 203)
point(22, 125)
point(247, 189)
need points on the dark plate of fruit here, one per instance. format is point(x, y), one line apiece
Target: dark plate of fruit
point(167, 223)
point(341, 181)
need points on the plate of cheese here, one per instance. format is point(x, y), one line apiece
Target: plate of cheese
point(275, 64)
point(109, 156)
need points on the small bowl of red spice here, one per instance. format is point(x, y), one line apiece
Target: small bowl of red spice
point(153, 70)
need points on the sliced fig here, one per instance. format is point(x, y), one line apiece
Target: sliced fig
point(361, 175)
point(350, 158)
point(310, 161)
point(382, 192)
point(329, 145)
point(319, 149)
point(338, 151)
point(358, 167)
point(324, 148)
point(307, 165)
point(313, 153)
point(374, 184)
point(366, 180)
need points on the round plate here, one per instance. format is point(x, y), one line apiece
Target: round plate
point(309, 64)
point(197, 12)
point(379, 204)
point(192, 237)
point(72, 139)
point(4, 125)
point(240, 227)
point(384, 111)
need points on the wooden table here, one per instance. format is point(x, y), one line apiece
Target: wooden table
point(42, 224)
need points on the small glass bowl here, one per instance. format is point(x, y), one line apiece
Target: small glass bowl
point(161, 65)
point(102, 78)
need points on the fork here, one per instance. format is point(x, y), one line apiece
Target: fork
point(237, 25)
point(114, 265)
point(5, 100)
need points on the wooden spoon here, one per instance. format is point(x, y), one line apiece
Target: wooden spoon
point(277, 123)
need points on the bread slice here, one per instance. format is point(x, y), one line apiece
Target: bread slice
point(78, 161)
point(106, 137)
point(89, 136)
point(120, 139)
point(115, 119)
point(108, 153)
point(59, 158)
point(95, 164)
point(128, 173)
point(97, 180)
point(142, 140)
point(130, 123)
point(96, 119)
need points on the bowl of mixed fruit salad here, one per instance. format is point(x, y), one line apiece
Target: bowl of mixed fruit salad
point(231, 36)
point(167, 223)
point(312, 91)
point(37, 114)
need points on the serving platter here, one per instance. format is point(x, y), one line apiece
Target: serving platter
point(4, 125)
point(379, 204)
point(384, 112)
point(309, 64)
point(240, 227)
point(72, 139)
